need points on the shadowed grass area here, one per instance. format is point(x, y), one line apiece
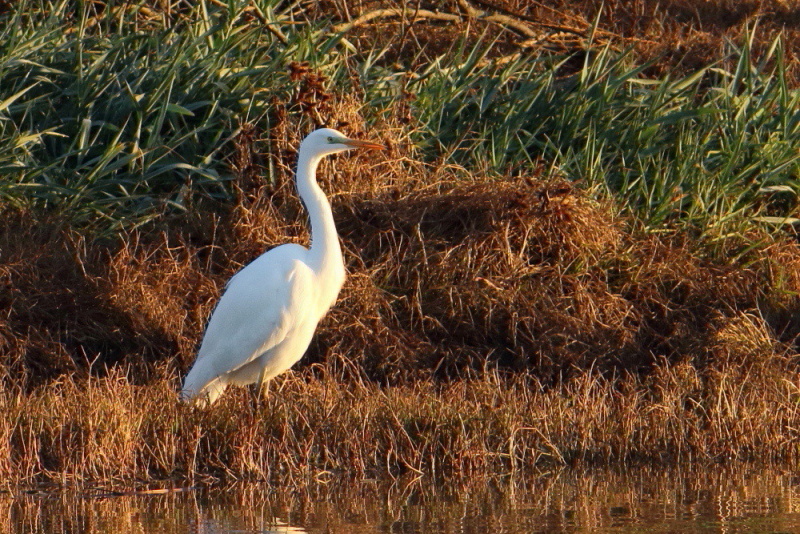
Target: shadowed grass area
point(120, 120)
point(444, 279)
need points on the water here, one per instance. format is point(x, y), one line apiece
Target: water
point(643, 500)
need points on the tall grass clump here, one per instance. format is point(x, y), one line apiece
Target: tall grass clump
point(119, 119)
point(716, 146)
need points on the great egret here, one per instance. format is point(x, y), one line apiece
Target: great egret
point(264, 321)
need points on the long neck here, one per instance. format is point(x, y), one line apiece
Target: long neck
point(325, 247)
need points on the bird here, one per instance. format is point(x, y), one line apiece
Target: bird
point(267, 315)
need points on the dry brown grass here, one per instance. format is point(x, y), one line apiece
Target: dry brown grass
point(448, 274)
point(312, 427)
point(679, 36)
point(485, 325)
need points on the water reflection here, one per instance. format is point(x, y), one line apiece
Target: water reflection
point(643, 500)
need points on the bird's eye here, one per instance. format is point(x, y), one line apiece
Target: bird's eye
point(330, 139)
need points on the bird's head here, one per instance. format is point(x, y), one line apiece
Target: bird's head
point(327, 141)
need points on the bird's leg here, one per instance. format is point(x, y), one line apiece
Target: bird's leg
point(260, 388)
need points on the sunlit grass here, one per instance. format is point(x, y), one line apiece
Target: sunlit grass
point(121, 119)
point(713, 149)
point(306, 428)
point(117, 121)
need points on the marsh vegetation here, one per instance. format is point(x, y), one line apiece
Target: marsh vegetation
point(576, 250)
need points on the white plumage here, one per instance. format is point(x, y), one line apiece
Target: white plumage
point(267, 315)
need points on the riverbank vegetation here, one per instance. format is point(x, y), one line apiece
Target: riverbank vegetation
point(575, 254)
point(314, 426)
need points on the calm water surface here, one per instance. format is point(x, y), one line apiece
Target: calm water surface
point(644, 500)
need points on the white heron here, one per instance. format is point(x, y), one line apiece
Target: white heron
point(267, 315)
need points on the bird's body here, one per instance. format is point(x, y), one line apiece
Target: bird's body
point(267, 315)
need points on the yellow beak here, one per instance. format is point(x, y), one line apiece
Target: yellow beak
point(355, 143)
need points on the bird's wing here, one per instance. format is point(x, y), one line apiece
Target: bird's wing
point(260, 307)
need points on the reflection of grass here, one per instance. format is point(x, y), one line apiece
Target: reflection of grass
point(657, 313)
point(659, 499)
